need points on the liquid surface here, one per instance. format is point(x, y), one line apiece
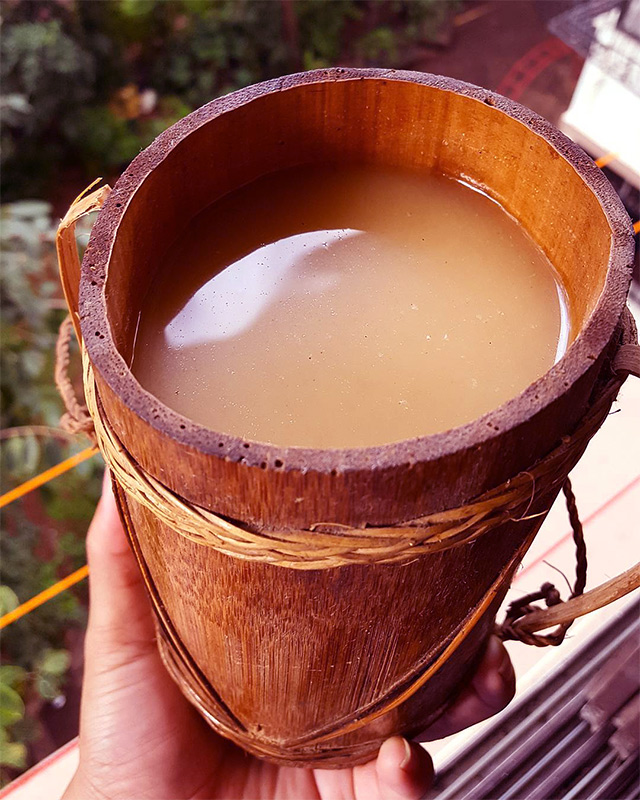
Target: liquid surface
point(336, 306)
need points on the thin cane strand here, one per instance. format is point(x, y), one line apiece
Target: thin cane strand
point(76, 418)
point(519, 609)
point(325, 546)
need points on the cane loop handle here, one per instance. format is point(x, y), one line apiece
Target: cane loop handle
point(592, 600)
point(76, 418)
point(67, 249)
point(523, 620)
point(628, 359)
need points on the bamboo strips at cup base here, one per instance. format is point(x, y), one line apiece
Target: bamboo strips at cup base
point(311, 666)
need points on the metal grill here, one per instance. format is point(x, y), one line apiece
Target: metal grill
point(562, 740)
point(607, 32)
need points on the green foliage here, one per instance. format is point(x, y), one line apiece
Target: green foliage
point(321, 29)
point(25, 640)
point(51, 668)
point(379, 46)
point(12, 676)
point(8, 601)
point(47, 679)
point(424, 18)
point(92, 83)
point(43, 70)
point(12, 754)
point(12, 679)
point(43, 63)
point(34, 652)
point(42, 535)
point(108, 142)
point(11, 706)
point(28, 317)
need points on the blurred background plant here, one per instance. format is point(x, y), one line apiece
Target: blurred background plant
point(84, 87)
point(43, 535)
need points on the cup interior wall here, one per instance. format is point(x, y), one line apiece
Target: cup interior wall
point(371, 121)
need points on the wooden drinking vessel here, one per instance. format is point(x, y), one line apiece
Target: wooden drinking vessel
point(318, 666)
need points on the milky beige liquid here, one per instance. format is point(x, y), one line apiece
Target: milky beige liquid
point(338, 306)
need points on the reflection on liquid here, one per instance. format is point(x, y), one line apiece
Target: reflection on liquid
point(244, 291)
point(334, 306)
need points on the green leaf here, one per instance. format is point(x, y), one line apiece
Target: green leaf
point(54, 662)
point(12, 675)
point(48, 686)
point(8, 600)
point(13, 754)
point(11, 706)
point(136, 8)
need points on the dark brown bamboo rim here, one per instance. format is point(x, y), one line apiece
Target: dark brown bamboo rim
point(587, 346)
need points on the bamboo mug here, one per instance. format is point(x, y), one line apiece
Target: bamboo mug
point(311, 603)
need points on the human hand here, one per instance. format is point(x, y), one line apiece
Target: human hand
point(141, 740)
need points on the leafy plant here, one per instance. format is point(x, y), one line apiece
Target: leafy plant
point(29, 315)
point(379, 46)
point(48, 680)
point(42, 535)
point(12, 754)
point(45, 70)
point(93, 83)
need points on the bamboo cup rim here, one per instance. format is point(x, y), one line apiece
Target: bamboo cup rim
point(594, 336)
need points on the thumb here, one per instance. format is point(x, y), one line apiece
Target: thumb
point(404, 769)
point(121, 746)
point(120, 626)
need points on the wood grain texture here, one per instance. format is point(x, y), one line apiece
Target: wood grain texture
point(292, 660)
point(291, 653)
point(392, 118)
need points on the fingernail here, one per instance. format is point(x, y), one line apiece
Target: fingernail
point(408, 753)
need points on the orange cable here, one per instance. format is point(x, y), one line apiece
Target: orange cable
point(607, 158)
point(20, 491)
point(47, 475)
point(636, 227)
point(47, 594)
